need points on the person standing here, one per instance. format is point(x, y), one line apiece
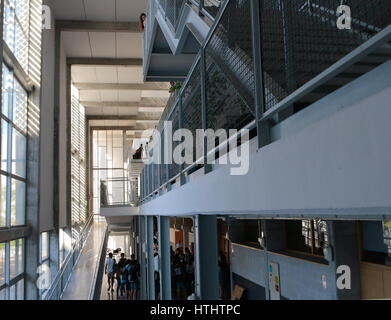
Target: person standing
point(109, 270)
point(121, 266)
point(143, 18)
point(133, 274)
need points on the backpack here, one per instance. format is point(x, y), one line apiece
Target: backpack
point(132, 273)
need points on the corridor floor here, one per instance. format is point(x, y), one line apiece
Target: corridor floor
point(80, 284)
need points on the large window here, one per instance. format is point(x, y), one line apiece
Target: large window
point(16, 29)
point(376, 242)
point(13, 152)
point(44, 261)
point(12, 270)
point(306, 236)
point(247, 232)
point(109, 167)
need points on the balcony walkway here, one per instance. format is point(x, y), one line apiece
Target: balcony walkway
point(82, 278)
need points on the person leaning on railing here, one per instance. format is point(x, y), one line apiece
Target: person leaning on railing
point(143, 18)
point(138, 153)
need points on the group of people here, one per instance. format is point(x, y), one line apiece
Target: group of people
point(127, 274)
point(182, 271)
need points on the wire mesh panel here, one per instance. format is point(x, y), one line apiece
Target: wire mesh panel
point(300, 39)
point(173, 10)
point(230, 50)
point(155, 176)
point(173, 168)
point(170, 104)
point(191, 106)
point(163, 171)
point(229, 70)
point(212, 6)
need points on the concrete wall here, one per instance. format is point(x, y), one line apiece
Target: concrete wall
point(47, 115)
point(62, 148)
point(248, 263)
point(330, 159)
point(299, 279)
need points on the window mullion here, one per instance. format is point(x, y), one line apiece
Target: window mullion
point(7, 270)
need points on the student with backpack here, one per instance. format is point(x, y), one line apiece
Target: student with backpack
point(133, 277)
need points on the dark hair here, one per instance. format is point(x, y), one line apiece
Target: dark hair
point(141, 21)
point(110, 254)
point(133, 256)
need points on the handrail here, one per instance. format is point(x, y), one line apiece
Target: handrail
point(58, 279)
point(97, 265)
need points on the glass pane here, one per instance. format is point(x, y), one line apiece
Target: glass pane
point(21, 47)
point(13, 292)
point(44, 245)
point(16, 258)
point(118, 161)
point(7, 89)
point(18, 195)
point(9, 24)
point(19, 115)
point(117, 139)
point(2, 294)
point(2, 263)
point(18, 153)
point(3, 201)
point(4, 144)
point(20, 290)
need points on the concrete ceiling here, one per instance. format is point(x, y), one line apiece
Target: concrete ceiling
point(99, 10)
point(114, 95)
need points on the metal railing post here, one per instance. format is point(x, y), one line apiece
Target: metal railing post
point(263, 127)
point(207, 167)
point(182, 179)
point(161, 160)
point(168, 185)
point(153, 179)
point(201, 7)
point(175, 13)
point(147, 180)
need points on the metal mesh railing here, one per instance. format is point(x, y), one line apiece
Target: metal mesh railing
point(173, 10)
point(191, 106)
point(212, 6)
point(173, 168)
point(300, 39)
point(229, 70)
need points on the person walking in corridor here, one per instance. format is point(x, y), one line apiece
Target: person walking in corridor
point(109, 270)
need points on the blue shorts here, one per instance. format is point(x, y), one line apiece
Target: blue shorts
point(131, 286)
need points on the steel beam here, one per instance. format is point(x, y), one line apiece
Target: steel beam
point(132, 62)
point(119, 86)
point(97, 26)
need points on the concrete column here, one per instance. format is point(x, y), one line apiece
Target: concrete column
point(32, 199)
point(186, 230)
point(143, 262)
point(150, 259)
point(164, 255)
point(54, 253)
point(206, 251)
point(343, 237)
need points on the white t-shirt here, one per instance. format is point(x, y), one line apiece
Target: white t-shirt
point(110, 265)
